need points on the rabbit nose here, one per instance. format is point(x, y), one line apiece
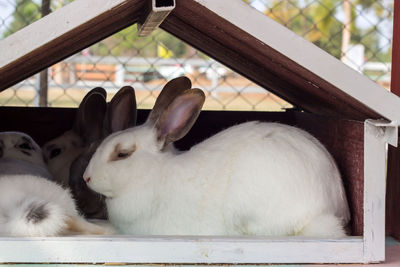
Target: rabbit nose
point(87, 180)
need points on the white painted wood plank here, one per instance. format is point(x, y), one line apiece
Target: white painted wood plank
point(51, 27)
point(179, 250)
point(374, 191)
point(307, 55)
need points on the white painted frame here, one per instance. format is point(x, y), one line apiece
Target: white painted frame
point(179, 249)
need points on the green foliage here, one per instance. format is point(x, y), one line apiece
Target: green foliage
point(29, 11)
point(369, 38)
point(128, 43)
point(318, 24)
point(315, 23)
point(175, 45)
point(26, 12)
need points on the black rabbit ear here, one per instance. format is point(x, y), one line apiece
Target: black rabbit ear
point(170, 91)
point(179, 117)
point(121, 111)
point(98, 90)
point(94, 112)
point(80, 122)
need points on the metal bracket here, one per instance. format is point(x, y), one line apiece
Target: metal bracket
point(154, 16)
point(388, 130)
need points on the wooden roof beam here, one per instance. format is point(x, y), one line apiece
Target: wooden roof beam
point(61, 34)
point(274, 57)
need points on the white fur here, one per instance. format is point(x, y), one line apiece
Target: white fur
point(251, 179)
point(9, 145)
point(16, 166)
point(22, 192)
point(15, 159)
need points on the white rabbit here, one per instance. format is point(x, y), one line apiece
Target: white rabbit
point(254, 178)
point(63, 150)
point(25, 157)
point(31, 205)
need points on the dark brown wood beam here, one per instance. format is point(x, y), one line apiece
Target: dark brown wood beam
point(71, 42)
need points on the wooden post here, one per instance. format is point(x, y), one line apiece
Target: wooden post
point(346, 32)
point(43, 81)
point(393, 172)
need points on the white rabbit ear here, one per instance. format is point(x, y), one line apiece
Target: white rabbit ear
point(170, 91)
point(80, 124)
point(121, 112)
point(179, 117)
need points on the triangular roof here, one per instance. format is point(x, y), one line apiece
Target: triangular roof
point(229, 31)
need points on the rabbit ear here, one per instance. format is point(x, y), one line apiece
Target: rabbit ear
point(80, 126)
point(179, 117)
point(171, 90)
point(94, 111)
point(121, 112)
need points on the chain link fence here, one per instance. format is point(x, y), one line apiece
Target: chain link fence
point(359, 32)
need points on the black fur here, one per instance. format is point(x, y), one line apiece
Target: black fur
point(1, 148)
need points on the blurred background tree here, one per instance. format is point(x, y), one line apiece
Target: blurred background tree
point(128, 43)
point(316, 21)
point(26, 11)
point(319, 24)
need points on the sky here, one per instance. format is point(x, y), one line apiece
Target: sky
point(6, 10)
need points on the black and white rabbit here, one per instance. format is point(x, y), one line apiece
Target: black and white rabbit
point(254, 178)
point(63, 150)
point(30, 204)
point(117, 115)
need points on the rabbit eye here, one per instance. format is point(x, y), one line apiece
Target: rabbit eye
point(122, 155)
point(55, 152)
point(119, 154)
point(25, 145)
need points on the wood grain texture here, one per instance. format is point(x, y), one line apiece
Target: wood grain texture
point(344, 139)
